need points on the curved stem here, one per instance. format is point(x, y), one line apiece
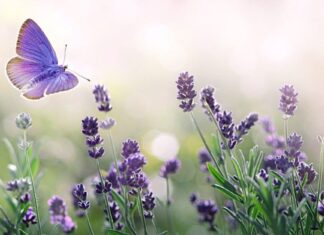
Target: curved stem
point(105, 197)
point(204, 141)
point(114, 151)
point(89, 224)
point(32, 184)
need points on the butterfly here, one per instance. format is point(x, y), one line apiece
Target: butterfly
point(35, 71)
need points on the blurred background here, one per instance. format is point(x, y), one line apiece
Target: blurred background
point(246, 49)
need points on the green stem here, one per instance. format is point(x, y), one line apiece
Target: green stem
point(142, 211)
point(114, 151)
point(89, 224)
point(204, 141)
point(155, 229)
point(32, 184)
point(105, 197)
point(286, 128)
point(126, 212)
point(319, 188)
point(168, 203)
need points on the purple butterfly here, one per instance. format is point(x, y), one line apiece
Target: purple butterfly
point(36, 71)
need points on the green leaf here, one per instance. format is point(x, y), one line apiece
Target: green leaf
point(118, 198)
point(232, 195)
point(220, 179)
point(237, 218)
point(163, 233)
point(115, 232)
point(35, 163)
point(135, 206)
point(216, 148)
point(238, 171)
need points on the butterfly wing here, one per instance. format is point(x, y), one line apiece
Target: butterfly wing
point(51, 84)
point(33, 44)
point(21, 71)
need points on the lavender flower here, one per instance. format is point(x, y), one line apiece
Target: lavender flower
point(29, 217)
point(100, 188)
point(320, 207)
point(115, 212)
point(170, 167)
point(26, 197)
point(90, 126)
point(75, 202)
point(93, 139)
point(269, 162)
point(67, 225)
point(139, 180)
point(304, 169)
point(80, 195)
point(207, 99)
point(268, 125)
point(112, 177)
point(57, 209)
point(129, 147)
point(102, 98)
point(283, 164)
point(23, 121)
point(96, 152)
point(12, 185)
point(193, 198)
point(186, 93)
point(148, 204)
point(207, 210)
point(263, 175)
point(275, 141)
point(288, 100)
point(294, 143)
point(204, 157)
point(107, 124)
point(245, 126)
point(226, 127)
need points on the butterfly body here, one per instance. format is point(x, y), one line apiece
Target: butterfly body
point(36, 71)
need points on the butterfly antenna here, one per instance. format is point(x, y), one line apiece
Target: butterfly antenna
point(79, 75)
point(64, 53)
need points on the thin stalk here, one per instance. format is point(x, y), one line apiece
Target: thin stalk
point(155, 229)
point(105, 197)
point(126, 212)
point(54, 229)
point(286, 128)
point(114, 151)
point(168, 203)
point(204, 141)
point(32, 184)
point(89, 224)
point(142, 211)
point(319, 184)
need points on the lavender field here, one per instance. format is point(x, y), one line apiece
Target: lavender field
point(168, 117)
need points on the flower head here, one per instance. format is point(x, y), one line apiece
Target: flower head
point(288, 100)
point(170, 167)
point(207, 100)
point(129, 147)
point(90, 126)
point(186, 93)
point(102, 98)
point(204, 157)
point(245, 126)
point(57, 209)
point(207, 210)
point(263, 175)
point(294, 144)
point(107, 124)
point(268, 125)
point(283, 164)
point(23, 121)
point(148, 204)
point(304, 169)
point(29, 217)
point(80, 196)
point(67, 225)
point(26, 197)
point(320, 207)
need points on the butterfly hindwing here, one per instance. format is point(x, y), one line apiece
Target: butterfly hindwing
point(33, 44)
point(21, 71)
point(51, 84)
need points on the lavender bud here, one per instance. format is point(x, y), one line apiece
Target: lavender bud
point(90, 126)
point(268, 125)
point(29, 217)
point(23, 121)
point(207, 99)
point(107, 124)
point(129, 147)
point(26, 197)
point(304, 169)
point(288, 100)
point(186, 93)
point(80, 196)
point(102, 98)
point(170, 167)
point(263, 175)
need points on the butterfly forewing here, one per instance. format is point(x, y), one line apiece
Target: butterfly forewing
point(33, 44)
